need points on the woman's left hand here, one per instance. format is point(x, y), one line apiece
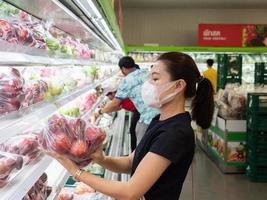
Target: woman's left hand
point(69, 165)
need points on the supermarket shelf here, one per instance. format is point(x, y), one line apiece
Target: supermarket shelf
point(63, 18)
point(43, 109)
point(126, 146)
point(225, 167)
point(116, 146)
point(56, 178)
point(14, 58)
point(22, 183)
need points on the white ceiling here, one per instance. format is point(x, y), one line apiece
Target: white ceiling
point(196, 3)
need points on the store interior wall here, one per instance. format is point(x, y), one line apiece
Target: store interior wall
point(177, 26)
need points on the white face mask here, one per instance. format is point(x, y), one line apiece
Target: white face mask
point(151, 94)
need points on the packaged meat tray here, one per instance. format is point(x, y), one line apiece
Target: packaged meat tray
point(10, 165)
point(72, 137)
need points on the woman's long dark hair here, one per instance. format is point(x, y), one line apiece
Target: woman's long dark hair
point(182, 66)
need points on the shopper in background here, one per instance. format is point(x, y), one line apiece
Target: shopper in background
point(211, 74)
point(127, 105)
point(130, 87)
point(160, 163)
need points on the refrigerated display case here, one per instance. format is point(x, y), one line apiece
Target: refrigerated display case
point(60, 52)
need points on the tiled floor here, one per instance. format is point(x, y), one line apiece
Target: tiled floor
point(209, 183)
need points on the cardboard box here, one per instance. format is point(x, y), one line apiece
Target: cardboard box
point(232, 125)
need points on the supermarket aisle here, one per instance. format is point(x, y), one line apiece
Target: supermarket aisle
point(210, 184)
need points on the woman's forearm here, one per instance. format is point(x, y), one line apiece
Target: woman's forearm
point(118, 165)
point(115, 189)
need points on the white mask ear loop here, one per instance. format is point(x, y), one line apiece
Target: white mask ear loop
point(165, 99)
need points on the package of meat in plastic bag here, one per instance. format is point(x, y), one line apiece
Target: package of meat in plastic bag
point(10, 164)
point(25, 145)
point(72, 137)
point(40, 190)
point(11, 94)
point(87, 100)
point(23, 34)
point(38, 33)
point(34, 92)
point(25, 17)
point(6, 31)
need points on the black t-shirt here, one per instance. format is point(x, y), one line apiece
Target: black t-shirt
point(174, 140)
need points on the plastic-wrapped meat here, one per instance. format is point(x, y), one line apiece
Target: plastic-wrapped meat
point(11, 94)
point(34, 92)
point(25, 145)
point(8, 105)
point(25, 17)
point(23, 34)
point(40, 190)
point(72, 137)
point(38, 33)
point(9, 164)
point(5, 30)
point(88, 101)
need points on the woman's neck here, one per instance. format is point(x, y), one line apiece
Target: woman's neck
point(172, 108)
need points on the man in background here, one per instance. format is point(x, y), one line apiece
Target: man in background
point(211, 74)
point(130, 87)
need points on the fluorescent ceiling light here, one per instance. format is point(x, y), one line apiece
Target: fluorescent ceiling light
point(95, 15)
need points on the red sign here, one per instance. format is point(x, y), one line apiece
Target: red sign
point(220, 35)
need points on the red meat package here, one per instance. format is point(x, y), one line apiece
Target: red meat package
point(87, 101)
point(72, 137)
point(23, 34)
point(11, 94)
point(10, 164)
point(25, 145)
point(34, 92)
point(6, 31)
point(40, 190)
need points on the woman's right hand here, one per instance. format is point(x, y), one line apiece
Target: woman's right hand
point(98, 156)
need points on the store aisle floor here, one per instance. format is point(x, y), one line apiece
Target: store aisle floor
point(209, 183)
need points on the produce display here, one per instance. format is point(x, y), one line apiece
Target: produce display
point(22, 87)
point(70, 111)
point(10, 164)
point(11, 90)
point(40, 190)
point(144, 57)
point(72, 137)
point(30, 40)
point(232, 100)
point(55, 88)
point(236, 152)
point(18, 27)
point(216, 143)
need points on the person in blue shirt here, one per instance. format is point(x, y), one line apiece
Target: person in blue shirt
point(130, 87)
